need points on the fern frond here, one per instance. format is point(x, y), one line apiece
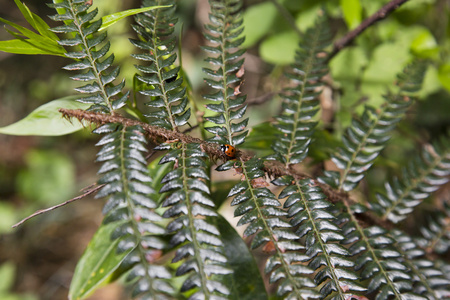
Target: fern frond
point(308, 212)
point(130, 203)
point(376, 257)
point(301, 98)
point(167, 98)
point(436, 234)
point(367, 136)
point(427, 279)
point(90, 55)
point(198, 240)
point(424, 175)
point(223, 34)
point(258, 207)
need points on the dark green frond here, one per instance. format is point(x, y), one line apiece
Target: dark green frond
point(198, 241)
point(258, 207)
point(376, 258)
point(301, 98)
point(90, 52)
point(428, 281)
point(436, 234)
point(168, 100)
point(308, 212)
point(127, 185)
point(367, 136)
point(223, 33)
point(424, 175)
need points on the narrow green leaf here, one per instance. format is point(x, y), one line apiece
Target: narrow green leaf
point(35, 21)
point(114, 18)
point(30, 34)
point(46, 120)
point(97, 263)
point(245, 282)
point(25, 47)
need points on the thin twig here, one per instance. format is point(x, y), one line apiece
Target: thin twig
point(42, 211)
point(379, 15)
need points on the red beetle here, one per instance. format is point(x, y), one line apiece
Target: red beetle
point(229, 150)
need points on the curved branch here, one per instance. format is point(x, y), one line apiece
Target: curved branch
point(271, 168)
point(379, 15)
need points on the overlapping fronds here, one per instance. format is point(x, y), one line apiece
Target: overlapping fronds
point(167, 98)
point(90, 53)
point(197, 240)
point(367, 136)
point(130, 201)
point(301, 97)
point(375, 257)
point(436, 234)
point(424, 175)
point(258, 207)
point(309, 213)
point(225, 78)
point(428, 280)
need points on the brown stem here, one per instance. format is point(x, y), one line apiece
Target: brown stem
point(379, 15)
point(160, 135)
point(41, 211)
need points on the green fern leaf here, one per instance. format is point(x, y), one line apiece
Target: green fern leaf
point(376, 258)
point(167, 98)
point(197, 239)
point(258, 207)
point(436, 234)
point(427, 279)
point(308, 212)
point(90, 56)
point(131, 205)
point(301, 98)
point(366, 137)
point(424, 175)
point(224, 35)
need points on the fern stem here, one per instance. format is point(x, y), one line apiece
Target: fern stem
point(225, 87)
point(90, 58)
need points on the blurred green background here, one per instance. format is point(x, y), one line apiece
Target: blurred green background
point(38, 258)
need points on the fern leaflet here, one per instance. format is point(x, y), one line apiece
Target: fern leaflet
point(423, 176)
point(189, 203)
point(130, 203)
point(223, 33)
point(168, 98)
point(301, 98)
point(366, 137)
point(91, 58)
